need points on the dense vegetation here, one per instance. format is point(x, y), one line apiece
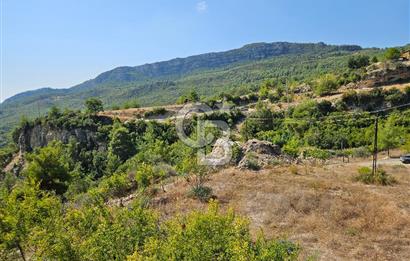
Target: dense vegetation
point(239, 70)
point(327, 126)
point(56, 208)
point(60, 206)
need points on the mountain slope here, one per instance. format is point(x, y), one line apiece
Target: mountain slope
point(163, 82)
point(178, 67)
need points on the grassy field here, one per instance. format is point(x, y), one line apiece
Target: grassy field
point(318, 206)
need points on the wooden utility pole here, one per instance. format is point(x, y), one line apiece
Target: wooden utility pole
point(376, 128)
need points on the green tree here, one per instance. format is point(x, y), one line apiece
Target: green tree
point(121, 144)
point(49, 169)
point(27, 215)
point(93, 105)
point(390, 134)
point(392, 54)
point(54, 112)
point(264, 92)
point(375, 59)
point(193, 96)
point(358, 61)
point(326, 84)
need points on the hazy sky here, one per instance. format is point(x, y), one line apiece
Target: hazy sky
point(50, 43)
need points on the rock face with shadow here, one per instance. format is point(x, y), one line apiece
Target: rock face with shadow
point(385, 73)
point(40, 134)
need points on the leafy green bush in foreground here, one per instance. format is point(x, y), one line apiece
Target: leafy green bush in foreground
point(211, 236)
point(35, 224)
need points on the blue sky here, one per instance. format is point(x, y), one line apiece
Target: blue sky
point(49, 43)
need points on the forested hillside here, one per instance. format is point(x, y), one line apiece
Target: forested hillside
point(238, 70)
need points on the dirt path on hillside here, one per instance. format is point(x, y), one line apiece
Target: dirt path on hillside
point(172, 110)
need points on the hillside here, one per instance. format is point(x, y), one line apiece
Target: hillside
point(298, 175)
point(163, 82)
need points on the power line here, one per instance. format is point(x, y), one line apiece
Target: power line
point(343, 116)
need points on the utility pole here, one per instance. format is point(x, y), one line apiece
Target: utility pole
point(376, 128)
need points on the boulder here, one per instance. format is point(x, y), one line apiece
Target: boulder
point(261, 147)
point(259, 154)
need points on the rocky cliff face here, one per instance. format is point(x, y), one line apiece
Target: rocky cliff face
point(42, 134)
point(387, 73)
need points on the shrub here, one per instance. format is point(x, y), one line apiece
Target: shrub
point(392, 54)
point(380, 177)
point(118, 185)
point(358, 61)
point(201, 192)
point(360, 152)
point(292, 148)
point(318, 154)
point(326, 85)
point(252, 162)
point(155, 112)
point(211, 235)
point(147, 175)
point(293, 170)
point(131, 104)
point(93, 105)
point(236, 153)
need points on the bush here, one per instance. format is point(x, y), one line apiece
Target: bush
point(294, 170)
point(211, 236)
point(118, 185)
point(358, 61)
point(252, 162)
point(361, 152)
point(237, 154)
point(392, 54)
point(292, 148)
point(93, 105)
point(155, 112)
point(326, 85)
point(201, 192)
point(379, 178)
point(131, 104)
point(318, 154)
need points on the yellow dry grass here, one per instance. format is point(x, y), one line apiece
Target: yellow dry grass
point(331, 216)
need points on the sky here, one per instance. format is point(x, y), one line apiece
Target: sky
point(49, 43)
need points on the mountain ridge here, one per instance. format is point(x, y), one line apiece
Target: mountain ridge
point(180, 66)
point(237, 71)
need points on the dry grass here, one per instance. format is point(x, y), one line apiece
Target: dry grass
point(322, 208)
